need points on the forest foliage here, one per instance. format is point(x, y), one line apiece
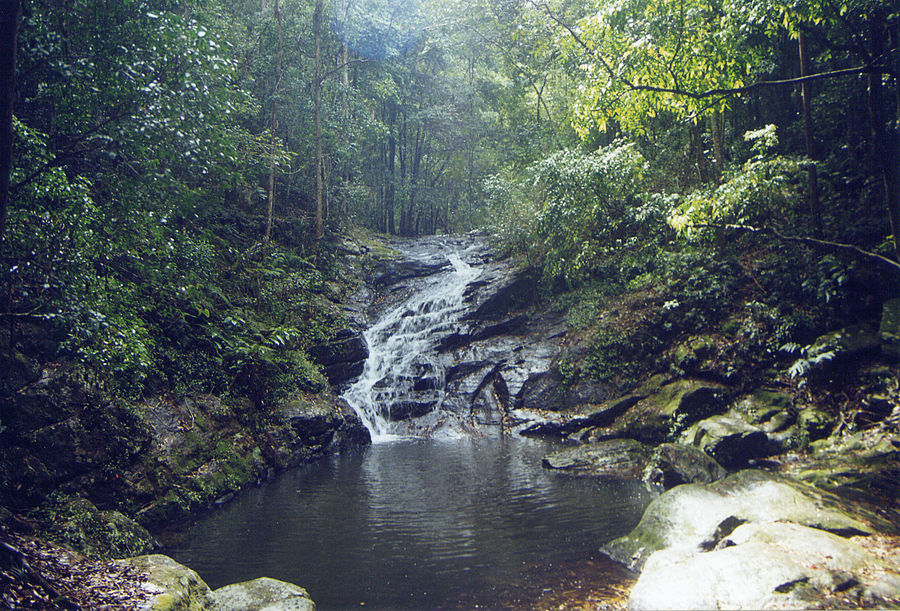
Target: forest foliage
point(155, 141)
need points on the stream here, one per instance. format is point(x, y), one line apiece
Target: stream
point(434, 514)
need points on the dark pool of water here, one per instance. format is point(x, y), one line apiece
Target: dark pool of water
point(419, 524)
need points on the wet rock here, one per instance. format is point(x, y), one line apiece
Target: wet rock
point(343, 359)
point(729, 440)
point(392, 271)
point(404, 410)
point(770, 565)
point(665, 414)
point(549, 390)
point(319, 424)
point(674, 464)
point(263, 594)
point(889, 331)
point(689, 517)
point(584, 417)
point(616, 458)
point(501, 290)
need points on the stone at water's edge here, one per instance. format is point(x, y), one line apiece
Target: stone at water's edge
point(754, 540)
point(774, 565)
point(263, 594)
point(617, 458)
point(171, 586)
point(692, 516)
point(667, 465)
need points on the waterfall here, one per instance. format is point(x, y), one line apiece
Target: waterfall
point(401, 387)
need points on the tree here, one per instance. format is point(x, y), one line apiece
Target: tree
point(9, 25)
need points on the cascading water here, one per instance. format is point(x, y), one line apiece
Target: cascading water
point(401, 387)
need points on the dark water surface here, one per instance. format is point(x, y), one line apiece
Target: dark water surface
point(420, 524)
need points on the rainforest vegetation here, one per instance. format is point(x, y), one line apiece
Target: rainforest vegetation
point(179, 169)
point(180, 178)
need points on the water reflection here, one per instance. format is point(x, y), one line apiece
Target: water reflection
point(415, 524)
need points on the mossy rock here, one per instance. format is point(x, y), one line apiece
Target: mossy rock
point(666, 413)
point(814, 423)
point(689, 354)
point(728, 439)
point(172, 586)
point(615, 458)
point(78, 524)
point(762, 405)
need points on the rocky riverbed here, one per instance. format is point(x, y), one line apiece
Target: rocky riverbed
point(774, 494)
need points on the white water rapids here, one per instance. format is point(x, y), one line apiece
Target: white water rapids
point(401, 387)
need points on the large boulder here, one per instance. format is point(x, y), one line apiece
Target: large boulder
point(170, 586)
point(771, 565)
point(263, 594)
point(697, 517)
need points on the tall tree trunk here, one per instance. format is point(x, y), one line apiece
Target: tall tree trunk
point(320, 187)
point(270, 192)
point(699, 156)
point(884, 144)
point(9, 27)
point(717, 130)
point(812, 171)
point(345, 100)
point(391, 167)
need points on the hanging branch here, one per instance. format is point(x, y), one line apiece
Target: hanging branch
point(870, 68)
point(813, 242)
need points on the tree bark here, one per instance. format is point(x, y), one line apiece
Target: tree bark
point(270, 191)
point(812, 171)
point(9, 26)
